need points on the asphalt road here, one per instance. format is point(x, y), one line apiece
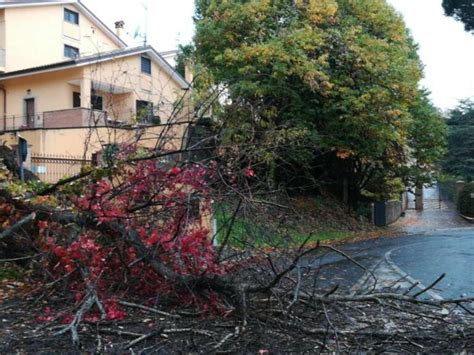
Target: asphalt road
point(399, 262)
point(451, 251)
point(425, 245)
point(426, 257)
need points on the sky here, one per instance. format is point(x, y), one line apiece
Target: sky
point(446, 50)
point(169, 21)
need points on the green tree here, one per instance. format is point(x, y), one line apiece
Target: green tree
point(427, 134)
point(322, 87)
point(184, 57)
point(461, 10)
point(460, 158)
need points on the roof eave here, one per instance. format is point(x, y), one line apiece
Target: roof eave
point(99, 22)
point(168, 68)
point(86, 61)
point(12, 5)
point(80, 6)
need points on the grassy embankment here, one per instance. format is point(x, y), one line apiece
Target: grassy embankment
point(316, 218)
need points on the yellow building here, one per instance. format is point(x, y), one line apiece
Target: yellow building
point(70, 86)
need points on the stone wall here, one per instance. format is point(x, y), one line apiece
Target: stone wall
point(387, 212)
point(393, 211)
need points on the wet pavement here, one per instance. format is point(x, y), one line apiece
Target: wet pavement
point(428, 221)
point(437, 215)
point(429, 243)
point(423, 258)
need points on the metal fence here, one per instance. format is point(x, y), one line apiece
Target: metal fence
point(52, 168)
point(447, 191)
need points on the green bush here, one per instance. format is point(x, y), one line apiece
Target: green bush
point(465, 202)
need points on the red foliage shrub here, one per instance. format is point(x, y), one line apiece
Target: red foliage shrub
point(156, 201)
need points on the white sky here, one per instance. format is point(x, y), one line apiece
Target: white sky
point(445, 48)
point(169, 21)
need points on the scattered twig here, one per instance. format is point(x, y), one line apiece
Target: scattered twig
point(430, 286)
point(189, 330)
point(143, 337)
point(296, 295)
point(227, 338)
point(72, 327)
point(120, 332)
point(19, 259)
point(411, 288)
point(149, 309)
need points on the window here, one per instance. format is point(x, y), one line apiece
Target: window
point(71, 16)
point(95, 159)
point(146, 65)
point(30, 112)
point(71, 52)
point(144, 111)
point(76, 99)
point(97, 102)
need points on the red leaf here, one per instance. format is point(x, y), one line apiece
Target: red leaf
point(249, 172)
point(42, 225)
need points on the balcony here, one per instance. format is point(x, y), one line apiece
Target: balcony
point(69, 118)
point(74, 118)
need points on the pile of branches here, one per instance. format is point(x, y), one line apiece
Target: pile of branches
point(292, 317)
point(139, 231)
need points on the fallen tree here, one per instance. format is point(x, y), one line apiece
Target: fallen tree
point(127, 241)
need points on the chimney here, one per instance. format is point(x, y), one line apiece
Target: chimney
point(119, 28)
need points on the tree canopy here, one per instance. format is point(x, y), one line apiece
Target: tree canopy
point(184, 56)
point(327, 88)
point(461, 10)
point(460, 158)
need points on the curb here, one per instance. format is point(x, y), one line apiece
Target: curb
point(364, 281)
point(405, 276)
point(469, 219)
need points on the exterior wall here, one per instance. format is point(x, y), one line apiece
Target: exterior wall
point(36, 35)
point(120, 82)
point(118, 106)
point(51, 92)
point(33, 36)
point(2, 40)
point(158, 88)
point(73, 141)
point(86, 36)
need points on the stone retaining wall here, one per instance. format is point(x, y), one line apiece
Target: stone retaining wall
point(387, 212)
